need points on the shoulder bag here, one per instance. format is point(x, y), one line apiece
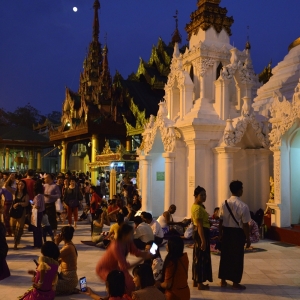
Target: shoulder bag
point(230, 211)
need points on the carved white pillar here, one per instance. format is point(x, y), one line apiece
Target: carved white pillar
point(225, 171)
point(146, 183)
point(196, 167)
point(169, 179)
point(221, 104)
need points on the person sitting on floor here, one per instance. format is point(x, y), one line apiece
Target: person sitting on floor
point(144, 282)
point(167, 223)
point(68, 278)
point(113, 209)
point(155, 226)
point(253, 231)
point(115, 287)
point(101, 219)
point(143, 234)
point(45, 276)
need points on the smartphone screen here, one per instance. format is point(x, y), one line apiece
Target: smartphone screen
point(31, 201)
point(153, 249)
point(82, 284)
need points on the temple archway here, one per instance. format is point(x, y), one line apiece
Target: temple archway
point(295, 177)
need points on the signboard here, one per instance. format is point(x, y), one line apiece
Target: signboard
point(107, 157)
point(160, 176)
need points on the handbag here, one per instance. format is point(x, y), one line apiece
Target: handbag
point(16, 213)
point(34, 217)
point(58, 206)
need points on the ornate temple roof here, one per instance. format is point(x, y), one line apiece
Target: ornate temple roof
point(209, 14)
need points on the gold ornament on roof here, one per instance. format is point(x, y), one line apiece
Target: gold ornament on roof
point(106, 149)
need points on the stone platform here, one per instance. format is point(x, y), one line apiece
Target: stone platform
point(274, 274)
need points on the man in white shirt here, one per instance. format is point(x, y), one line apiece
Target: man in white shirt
point(155, 226)
point(143, 234)
point(234, 233)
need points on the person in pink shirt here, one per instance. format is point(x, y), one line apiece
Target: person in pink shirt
point(115, 257)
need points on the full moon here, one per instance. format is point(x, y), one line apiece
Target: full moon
point(75, 9)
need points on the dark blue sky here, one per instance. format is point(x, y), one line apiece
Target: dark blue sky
point(43, 42)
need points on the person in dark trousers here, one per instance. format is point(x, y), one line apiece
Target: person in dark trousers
point(234, 232)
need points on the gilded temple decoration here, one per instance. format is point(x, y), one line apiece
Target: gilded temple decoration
point(209, 14)
point(106, 149)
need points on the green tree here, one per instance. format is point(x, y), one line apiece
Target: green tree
point(54, 117)
point(25, 116)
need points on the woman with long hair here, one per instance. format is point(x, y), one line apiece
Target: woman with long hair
point(18, 212)
point(175, 271)
point(115, 256)
point(39, 204)
point(144, 283)
point(201, 270)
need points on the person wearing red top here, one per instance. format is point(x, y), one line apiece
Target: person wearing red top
point(95, 203)
point(112, 210)
point(30, 184)
point(115, 257)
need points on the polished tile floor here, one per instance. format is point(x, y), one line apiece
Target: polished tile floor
point(274, 274)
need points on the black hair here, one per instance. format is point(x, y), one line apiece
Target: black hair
point(198, 190)
point(67, 233)
point(147, 216)
point(235, 186)
point(73, 178)
point(50, 249)
point(115, 281)
point(137, 220)
point(120, 219)
point(24, 192)
point(145, 273)
point(30, 172)
point(175, 246)
point(98, 213)
point(92, 187)
point(216, 209)
point(38, 187)
point(124, 230)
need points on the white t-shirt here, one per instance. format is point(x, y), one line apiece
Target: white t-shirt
point(240, 211)
point(162, 221)
point(156, 228)
point(144, 233)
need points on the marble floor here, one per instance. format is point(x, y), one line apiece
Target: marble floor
point(274, 274)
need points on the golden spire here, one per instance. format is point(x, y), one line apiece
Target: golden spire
point(176, 36)
point(209, 14)
point(96, 27)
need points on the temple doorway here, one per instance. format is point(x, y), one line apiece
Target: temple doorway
point(295, 177)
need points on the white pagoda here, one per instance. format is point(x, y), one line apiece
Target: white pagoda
point(206, 132)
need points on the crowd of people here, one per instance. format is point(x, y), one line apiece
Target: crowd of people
point(39, 203)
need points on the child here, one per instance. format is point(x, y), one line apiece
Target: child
point(45, 276)
point(46, 227)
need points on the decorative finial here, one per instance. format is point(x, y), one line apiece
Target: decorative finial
point(248, 45)
point(96, 27)
point(176, 37)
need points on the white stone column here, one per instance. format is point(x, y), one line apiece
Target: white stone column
point(146, 183)
point(197, 150)
point(169, 179)
point(112, 183)
point(225, 171)
point(263, 171)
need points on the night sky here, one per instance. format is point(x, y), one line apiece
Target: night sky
point(43, 42)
